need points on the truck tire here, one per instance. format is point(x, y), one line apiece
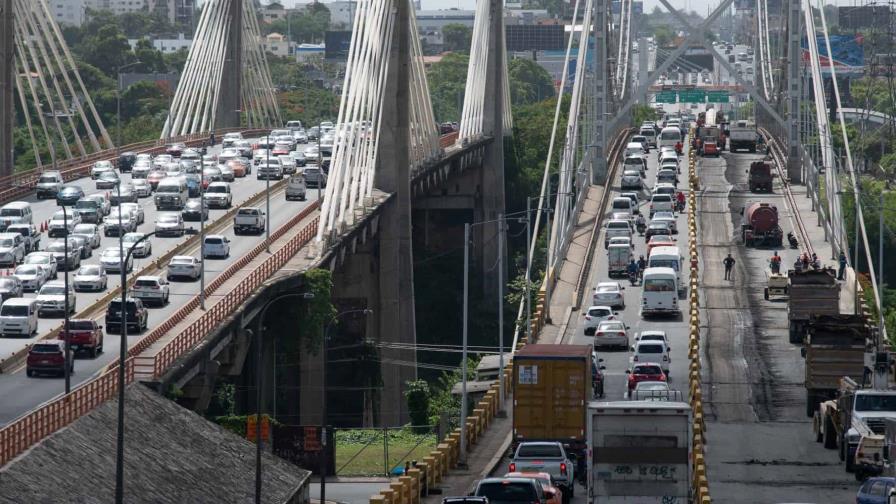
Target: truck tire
point(850, 458)
point(811, 404)
point(794, 334)
point(765, 293)
point(829, 439)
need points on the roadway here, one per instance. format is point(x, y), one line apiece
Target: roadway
point(20, 394)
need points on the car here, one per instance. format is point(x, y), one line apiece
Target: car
point(216, 246)
point(175, 149)
point(617, 227)
point(311, 153)
point(239, 167)
point(90, 278)
point(609, 294)
point(49, 356)
point(111, 260)
point(269, 170)
point(667, 176)
point(637, 163)
point(107, 180)
point(29, 233)
point(314, 176)
point(44, 260)
point(288, 164)
point(876, 490)
point(141, 169)
point(10, 287)
point(59, 248)
point(669, 217)
point(652, 351)
point(650, 391)
point(622, 240)
point(660, 241)
point(100, 167)
point(51, 299)
point(32, 277)
point(211, 174)
point(183, 266)
point(227, 174)
point(119, 222)
point(169, 224)
point(151, 288)
point(249, 219)
point(141, 247)
point(48, 184)
point(631, 179)
point(658, 227)
point(102, 201)
point(69, 195)
point(641, 139)
point(83, 335)
point(141, 188)
point(136, 319)
point(90, 233)
point(611, 333)
point(154, 178)
point(123, 193)
point(63, 222)
point(89, 210)
point(510, 490)
point(299, 158)
point(80, 242)
point(594, 315)
point(643, 371)
point(552, 494)
point(195, 210)
point(12, 249)
point(218, 195)
point(635, 200)
point(653, 335)
point(135, 210)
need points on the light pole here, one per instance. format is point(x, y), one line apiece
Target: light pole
point(68, 337)
point(323, 389)
point(118, 110)
point(202, 237)
point(267, 185)
point(258, 353)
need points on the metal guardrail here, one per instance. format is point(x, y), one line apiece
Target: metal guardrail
point(780, 160)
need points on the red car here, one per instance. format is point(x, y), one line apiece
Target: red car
point(48, 357)
point(175, 150)
point(552, 494)
point(645, 371)
point(84, 334)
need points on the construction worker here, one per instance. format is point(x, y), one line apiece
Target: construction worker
point(842, 269)
point(775, 263)
point(729, 265)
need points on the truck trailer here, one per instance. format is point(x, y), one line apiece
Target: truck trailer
point(834, 346)
point(760, 226)
point(811, 292)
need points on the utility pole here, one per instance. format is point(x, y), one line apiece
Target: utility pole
point(7, 82)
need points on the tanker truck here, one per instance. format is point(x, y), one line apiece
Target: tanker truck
point(760, 226)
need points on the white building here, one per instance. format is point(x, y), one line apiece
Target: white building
point(167, 46)
point(70, 12)
point(277, 44)
point(431, 22)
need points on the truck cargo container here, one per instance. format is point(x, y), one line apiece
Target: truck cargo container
point(810, 292)
point(835, 346)
point(742, 138)
point(759, 176)
point(640, 452)
point(760, 225)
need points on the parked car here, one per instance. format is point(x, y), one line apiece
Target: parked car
point(613, 333)
point(136, 318)
point(182, 266)
point(90, 278)
point(48, 356)
point(152, 288)
point(609, 294)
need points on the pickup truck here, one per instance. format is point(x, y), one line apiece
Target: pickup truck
point(249, 219)
point(549, 457)
point(84, 334)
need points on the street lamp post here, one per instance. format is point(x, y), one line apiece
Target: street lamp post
point(68, 337)
point(201, 237)
point(267, 185)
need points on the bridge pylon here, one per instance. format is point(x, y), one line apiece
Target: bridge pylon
point(7, 72)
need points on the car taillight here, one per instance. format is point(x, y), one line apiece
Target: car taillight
point(665, 358)
point(512, 467)
point(599, 333)
point(662, 377)
point(587, 317)
point(562, 468)
point(635, 358)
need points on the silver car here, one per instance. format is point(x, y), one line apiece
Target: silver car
point(12, 249)
point(90, 232)
point(184, 267)
point(110, 260)
point(141, 249)
point(90, 278)
point(32, 277)
point(169, 224)
point(51, 298)
point(44, 260)
point(141, 188)
point(135, 210)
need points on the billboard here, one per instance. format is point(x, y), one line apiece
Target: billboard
point(535, 37)
point(337, 44)
point(848, 54)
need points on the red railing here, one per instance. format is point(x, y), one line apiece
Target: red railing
point(28, 430)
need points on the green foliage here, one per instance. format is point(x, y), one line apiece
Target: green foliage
point(320, 309)
point(234, 423)
point(456, 37)
point(447, 80)
point(663, 35)
point(529, 82)
point(107, 49)
point(305, 26)
point(641, 113)
point(417, 395)
point(151, 60)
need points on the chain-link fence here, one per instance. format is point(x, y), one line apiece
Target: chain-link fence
point(381, 451)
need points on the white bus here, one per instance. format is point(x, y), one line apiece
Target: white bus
point(659, 292)
point(670, 136)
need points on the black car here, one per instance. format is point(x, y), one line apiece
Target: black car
point(126, 161)
point(69, 195)
point(137, 316)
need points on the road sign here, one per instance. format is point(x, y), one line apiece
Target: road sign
point(717, 96)
point(666, 97)
point(692, 96)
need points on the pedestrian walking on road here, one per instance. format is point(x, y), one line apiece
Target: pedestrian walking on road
point(729, 265)
point(775, 262)
point(842, 266)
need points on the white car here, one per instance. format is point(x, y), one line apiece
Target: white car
point(136, 210)
point(650, 391)
point(170, 224)
point(184, 267)
point(216, 246)
point(141, 188)
point(51, 298)
point(218, 195)
point(151, 289)
point(609, 294)
point(622, 240)
point(594, 315)
point(110, 260)
point(90, 277)
point(119, 222)
point(12, 249)
point(653, 335)
point(45, 260)
point(101, 167)
point(32, 276)
point(612, 333)
point(60, 225)
point(652, 351)
point(142, 249)
point(90, 232)
point(631, 179)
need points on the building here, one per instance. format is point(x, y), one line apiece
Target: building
point(535, 37)
point(74, 12)
point(167, 46)
point(864, 16)
point(342, 14)
point(116, 6)
point(525, 16)
point(276, 44)
point(176, 11)
point(306, 52)
point(431, 22)
point(273, 11)
point(69, 12)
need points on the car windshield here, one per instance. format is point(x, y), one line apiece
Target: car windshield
point(115, 307)
point(60, 216)
point(217, 189)
point(7, 242)
point(248, 211)
point(109, 175)
point(875, 402)
point(70, 190)
point(652, 385)
point(89, 270)
point(214, 241)
point(647, 370)
point(650, 349)
point(36, 259)
point(53, 290)
point(146, 283)
point(598, 312)
point(539, 450)
point(658, 225)
point(27, 270)
point(86, 204)
point(182, 261)
point(10, 212)
point(612, 326)
point(46, 179)
point(7, 283)
point(59, 247)
point(81, 325)
point(111, 253)
point(131, 237)
point(607, 288)
point(84, 229)
point(659, 285)
point(169, 219)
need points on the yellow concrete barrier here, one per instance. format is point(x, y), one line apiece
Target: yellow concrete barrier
point(378, 499)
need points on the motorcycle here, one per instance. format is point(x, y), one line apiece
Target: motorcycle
point(679, 206)
point(792, 240)
point(641, 227)
point(633, 278)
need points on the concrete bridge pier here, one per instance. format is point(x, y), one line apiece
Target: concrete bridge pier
point(227, 114)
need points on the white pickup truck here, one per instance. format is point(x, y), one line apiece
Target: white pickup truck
point(549, 457)
point(249, 219)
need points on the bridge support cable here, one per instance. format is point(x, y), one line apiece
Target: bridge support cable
point(794, 92)
point(602, 92)
point(623, 48)
point(226, 74)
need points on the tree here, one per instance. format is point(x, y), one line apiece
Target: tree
point(529, 82)
point(663, 35)
point(417, 395)
point(107, 49)
point(456, 37)
point(151, 60)
point(306, 26)
point(447, 81)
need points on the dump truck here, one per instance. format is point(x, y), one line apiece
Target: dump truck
point(640, 452)
point(811, 292)
point(759, 176)
point(760, 225)
point(552, 385)
point(742, 138)
point(835, 346)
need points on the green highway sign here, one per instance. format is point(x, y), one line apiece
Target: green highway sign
point(717, 96)
point(666, 97)
point(692, 96)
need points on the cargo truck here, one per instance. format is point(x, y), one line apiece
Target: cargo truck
point(640, 452)
point(759, 176)
point(811, 292)
point(834, 347)
point(760, 225)
point(742, 138)
point(552, 385)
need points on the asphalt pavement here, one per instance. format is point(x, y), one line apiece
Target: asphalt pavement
point(20, 394)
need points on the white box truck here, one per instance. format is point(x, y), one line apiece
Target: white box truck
point(639, 452)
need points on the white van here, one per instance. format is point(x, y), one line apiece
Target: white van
point(650, 134)
point(670, 136)
point(634, 149)
point(668, 257)
point(171, 193)
point(17, 212)
point(619, 255)
point(18, 317)
point(659, 292)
